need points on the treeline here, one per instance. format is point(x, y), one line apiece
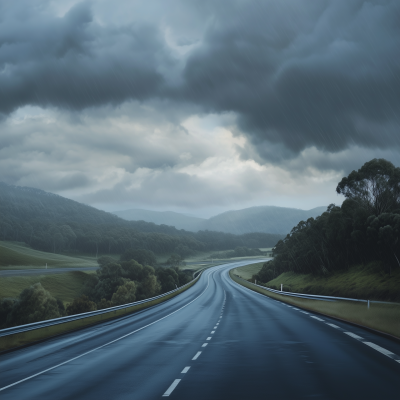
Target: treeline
point(115, 283)
point(51, 223)
point(364, 229)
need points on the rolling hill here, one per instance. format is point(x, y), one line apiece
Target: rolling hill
point(180, 221)
point(266, 219)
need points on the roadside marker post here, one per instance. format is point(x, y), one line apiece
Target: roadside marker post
point(281, 286)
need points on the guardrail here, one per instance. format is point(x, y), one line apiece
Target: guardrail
point(25, 334)
point(314, 296)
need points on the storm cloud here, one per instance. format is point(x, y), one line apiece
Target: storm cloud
point(185, 103)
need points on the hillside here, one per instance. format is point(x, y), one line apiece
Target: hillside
point(261, 219)
point(267, 219)
point(52, 223)
point(178, 220)
point(16, 255)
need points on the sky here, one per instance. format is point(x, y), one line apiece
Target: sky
point(197, 106)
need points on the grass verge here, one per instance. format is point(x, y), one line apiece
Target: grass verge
point(65, 287)
point(247, 271)
point(359, 282)
point(381, 317)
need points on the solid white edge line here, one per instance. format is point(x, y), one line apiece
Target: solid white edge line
point(379, 348)
point(197, 355)
point(171, 388)
point(186, 369)
point(353, 335)
point(104, 345)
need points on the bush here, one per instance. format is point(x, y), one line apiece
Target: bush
point(103, 303)
point(34, 304)
point(104, 260)
point(125, 294)
point(6, 306)
point(81, 305)
point(144, 257)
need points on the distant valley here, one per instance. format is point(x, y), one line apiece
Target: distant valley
point(266, 219)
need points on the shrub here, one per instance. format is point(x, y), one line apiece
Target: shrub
point(34, 304)
point(125, 294)
point(81, 305)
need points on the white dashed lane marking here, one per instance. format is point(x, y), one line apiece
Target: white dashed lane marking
point(319, 319)
point(204, 344)
point(380, 349)
point(171, 388)
point(212, 332)
point(209, 338)
point(197, 355)
point(353, 335)
point(186, 369)
point(333, 326)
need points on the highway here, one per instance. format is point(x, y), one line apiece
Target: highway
point(217, 340)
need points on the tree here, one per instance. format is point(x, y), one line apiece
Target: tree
point(81, 305)
point(125, 294)
point(375, 186)
point(175, 260)
point(142, 256)
point(34, 304)
point(110, 278)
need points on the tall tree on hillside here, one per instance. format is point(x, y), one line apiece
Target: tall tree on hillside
point(375, 186)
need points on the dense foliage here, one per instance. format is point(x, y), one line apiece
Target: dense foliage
point(365, 228)
point(49, 222)
point(33, 304)
point(113, 284)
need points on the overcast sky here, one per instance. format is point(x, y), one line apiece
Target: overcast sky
point(197, 106)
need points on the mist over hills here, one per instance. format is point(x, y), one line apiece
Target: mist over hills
point(178, 220)
point(266, 219)
point(52, 223)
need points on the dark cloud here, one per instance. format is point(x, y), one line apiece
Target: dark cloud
point(303, 73)
point(297, 74)
point(74, 62)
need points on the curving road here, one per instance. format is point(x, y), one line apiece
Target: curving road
point(218, 340)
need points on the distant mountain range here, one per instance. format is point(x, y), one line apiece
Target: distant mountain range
point(267, 219)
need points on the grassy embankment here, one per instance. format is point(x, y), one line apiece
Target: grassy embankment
point(381, 317)
point(62, 286)
point(248, 271)
point(359, 282)
point(65, 286)
point(18, 256)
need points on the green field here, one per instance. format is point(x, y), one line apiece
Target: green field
point(63, 286)
point(360, 282)
point(17, 256)
point(248, 271)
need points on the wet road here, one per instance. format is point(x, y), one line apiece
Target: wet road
point(217, 340)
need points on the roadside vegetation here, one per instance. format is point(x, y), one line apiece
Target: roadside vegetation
point(114, 283)
point(363, 232)
point(381, 317)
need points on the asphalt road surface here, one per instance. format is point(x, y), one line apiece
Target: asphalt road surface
point(217, 340)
